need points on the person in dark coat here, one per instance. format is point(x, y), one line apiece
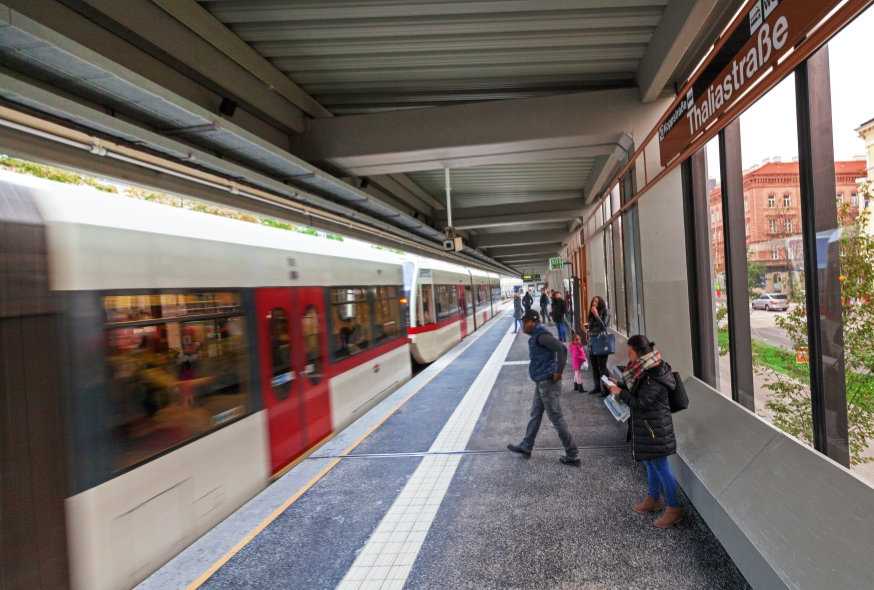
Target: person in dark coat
point(644, 388)
point(517, 312)
point(528, 300)
point(544, 305)
point(598, 321)
point(559, 309)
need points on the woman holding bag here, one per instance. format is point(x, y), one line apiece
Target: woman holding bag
point(599, 319)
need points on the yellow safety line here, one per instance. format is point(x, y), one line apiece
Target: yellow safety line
point(245, 540)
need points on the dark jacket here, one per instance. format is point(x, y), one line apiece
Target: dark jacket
point(650, 428)
point(517, 308)
point(559, 308)
point(527, 300)
point(544, 300)
point(599, 324)
point(547, 355)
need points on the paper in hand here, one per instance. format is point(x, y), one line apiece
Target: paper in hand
point(606, 380)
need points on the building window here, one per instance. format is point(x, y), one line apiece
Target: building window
point(772, 201)
point(747, 227)
point(773, 223)
point(854, 199)
point(788, 226)
point(840, 199)
point(787, 201)
point(746, 205)
point(774, 253)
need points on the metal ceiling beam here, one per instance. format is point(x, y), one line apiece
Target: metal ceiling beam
point(525, 238)
point(505, 220)
point(682, 30)
point(572, 207)
point(587, 124)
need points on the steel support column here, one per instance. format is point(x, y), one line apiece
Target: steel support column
point(819, 221)
point(696, 209)
point(737, 278)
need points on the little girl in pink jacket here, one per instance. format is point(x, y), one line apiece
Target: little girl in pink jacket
point(578, 358)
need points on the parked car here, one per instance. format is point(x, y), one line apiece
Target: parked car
point(771, 302)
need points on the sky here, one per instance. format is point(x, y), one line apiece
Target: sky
point(768, 128)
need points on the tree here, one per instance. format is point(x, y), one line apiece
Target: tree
point(755, 275)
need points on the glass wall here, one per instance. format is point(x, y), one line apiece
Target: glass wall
point(717, 264)
point(852, 87)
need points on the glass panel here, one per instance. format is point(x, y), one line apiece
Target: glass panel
point(717, 260)
point(172, 382)
point(138, 308)
point(447, 302)
point(386, 292)
point(470, 302)
point(386, 321)
point(312, 344)
point(351, 327)
point(280, 354)
point(775, 260)
point(426, 307)
point(853, 125)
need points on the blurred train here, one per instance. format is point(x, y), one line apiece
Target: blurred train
point(203, 356)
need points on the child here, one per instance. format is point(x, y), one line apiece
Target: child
point(578, 357)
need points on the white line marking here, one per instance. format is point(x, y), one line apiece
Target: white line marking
point(387, 558)
point(515, 363)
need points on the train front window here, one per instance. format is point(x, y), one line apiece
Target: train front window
point(280, 354)
point(312, 343)
point(173, 377)
point(350, 322)
point(386, 314)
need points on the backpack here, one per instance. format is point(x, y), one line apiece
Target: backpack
point(678, 399)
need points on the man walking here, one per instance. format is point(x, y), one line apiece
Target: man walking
point(546, 365)
point(559, 309)
point(528, 300)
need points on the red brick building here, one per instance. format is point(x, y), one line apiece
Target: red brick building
point(772, 216)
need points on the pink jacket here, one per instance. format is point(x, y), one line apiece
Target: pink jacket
point(578, 356)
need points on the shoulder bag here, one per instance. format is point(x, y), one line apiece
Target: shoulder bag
point(678, 399)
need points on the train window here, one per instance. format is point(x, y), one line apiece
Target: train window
point(174, 377)
point(386, 320)
point(425, 311)
point(122, 309)
point(482, 299)
point(312, 343)
point(468, 296)
point(350, 322)
point(280, 354)
point(447, 302)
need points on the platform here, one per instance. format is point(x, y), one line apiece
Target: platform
point(421, 493)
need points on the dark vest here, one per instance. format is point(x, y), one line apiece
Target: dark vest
point(544, 362)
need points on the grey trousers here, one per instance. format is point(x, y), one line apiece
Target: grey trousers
point(546, 398)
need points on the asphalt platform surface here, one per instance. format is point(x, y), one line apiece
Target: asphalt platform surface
point(505, 522)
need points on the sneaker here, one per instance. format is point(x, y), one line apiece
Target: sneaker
point(570, 460)
point(520, 450)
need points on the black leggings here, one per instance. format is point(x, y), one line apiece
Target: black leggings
point(599, 367)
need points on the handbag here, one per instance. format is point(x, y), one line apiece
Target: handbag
point(678, 399)
point(603, 344)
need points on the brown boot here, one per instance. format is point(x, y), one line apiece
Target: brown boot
point(671, 517)
point(649, 505)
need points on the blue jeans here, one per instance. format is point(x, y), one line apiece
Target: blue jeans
point(517, 324)
point(659, 472)
point(562, 334)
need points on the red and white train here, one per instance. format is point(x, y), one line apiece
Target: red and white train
point(205, 355)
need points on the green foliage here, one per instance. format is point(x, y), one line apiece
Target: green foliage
point(722, 338)
point(56, 174)
point(394, 251)
point(755, 276)
point(334, 237)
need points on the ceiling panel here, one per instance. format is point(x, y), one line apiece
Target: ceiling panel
point(358, 56)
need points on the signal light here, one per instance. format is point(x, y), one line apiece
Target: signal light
point(404, 300)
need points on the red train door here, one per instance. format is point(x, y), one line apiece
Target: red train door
point(462, 311)
point(312, 360)
point(277, 347)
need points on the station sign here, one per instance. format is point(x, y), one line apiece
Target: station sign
point(769, 31)
point(556, 263)
point(530, 277)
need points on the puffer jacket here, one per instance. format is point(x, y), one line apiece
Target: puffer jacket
point(650, 428)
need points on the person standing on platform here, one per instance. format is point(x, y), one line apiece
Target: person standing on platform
point(528, 300)
point(559, 309)
point(547, 357)
point(517, 313)
point(599, 319)
point(580, 364)
point(544, 304)
point(646, 384)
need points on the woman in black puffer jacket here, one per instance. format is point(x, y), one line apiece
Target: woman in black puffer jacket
point(646, 383)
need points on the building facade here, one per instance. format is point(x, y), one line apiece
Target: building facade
point(772, 217)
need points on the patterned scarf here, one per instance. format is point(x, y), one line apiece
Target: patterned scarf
point(632, 372)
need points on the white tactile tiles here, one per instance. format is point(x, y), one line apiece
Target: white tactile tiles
point(386, 560)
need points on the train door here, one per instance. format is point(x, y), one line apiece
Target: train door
point(462, 311)
point(311, 359)
point(276, 351)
